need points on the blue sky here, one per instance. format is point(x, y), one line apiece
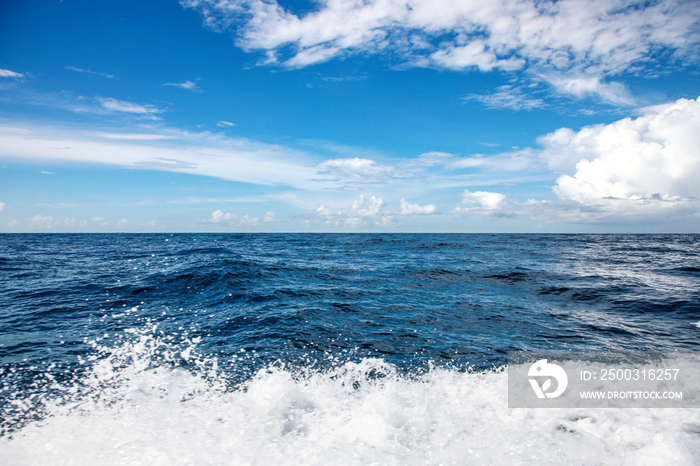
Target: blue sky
point(376, 115)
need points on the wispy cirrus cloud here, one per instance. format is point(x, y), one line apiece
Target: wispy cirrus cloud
point(72, 102)
point(354, 169)
point(187, 85)
point(129, 107)
point(94, 73)
point(508, 97)
point(224, 124)
point(204, 153)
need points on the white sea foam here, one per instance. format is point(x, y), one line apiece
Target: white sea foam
point(135, 405)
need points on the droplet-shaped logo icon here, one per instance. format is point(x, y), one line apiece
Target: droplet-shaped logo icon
point(541, 369)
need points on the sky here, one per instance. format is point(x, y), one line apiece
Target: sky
point(569, 116)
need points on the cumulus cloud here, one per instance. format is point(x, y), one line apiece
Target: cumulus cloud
point(362, 212)
point(590, 38)
point(229, 218)
point(2, 205)
point(362, 207)
point(188, 85)
point(654, 156)
point(10, 74)
point(122, 223)
point(323, 210)
point(41, 222)
point(72, 223)
point(355, 169)
point(487, 200)
point(408, 208)
point(14, 223)
point(128, 107)
point(388, 221)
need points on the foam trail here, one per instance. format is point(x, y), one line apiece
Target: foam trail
point(137, 405)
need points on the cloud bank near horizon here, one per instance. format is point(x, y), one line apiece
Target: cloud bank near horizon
point(643, 165)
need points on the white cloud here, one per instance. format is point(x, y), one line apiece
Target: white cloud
point(96, 73)
point(362, 212)
point(188, 85)
point(128, 107)
point(430, 159)
point(122, 223)
point(322, 210)
point(488, 200)
point(2, 205)
point(414, 209)
point(204, 153)
point(653, 157)
point(14, 223)
point(41, 222)
point(388, 221)
point(362, 207)
point(10, 74)
point(229, 218)
point(134, 136)
point(72, 223)
point(223, 123)
point(582, 86)
point(354, 169)
point(473, 54)
point(507, 97)
point(591, 38)
point(521, 160)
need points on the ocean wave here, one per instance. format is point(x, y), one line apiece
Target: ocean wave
point(154, 399)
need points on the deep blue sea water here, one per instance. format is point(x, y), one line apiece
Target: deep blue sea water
point(330, 348)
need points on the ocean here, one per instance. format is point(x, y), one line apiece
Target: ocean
point(347, 349)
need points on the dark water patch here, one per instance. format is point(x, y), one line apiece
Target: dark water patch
point(510, 277)
point(439, 274)
point(553, 290)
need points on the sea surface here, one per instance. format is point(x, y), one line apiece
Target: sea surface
point(276, 349)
